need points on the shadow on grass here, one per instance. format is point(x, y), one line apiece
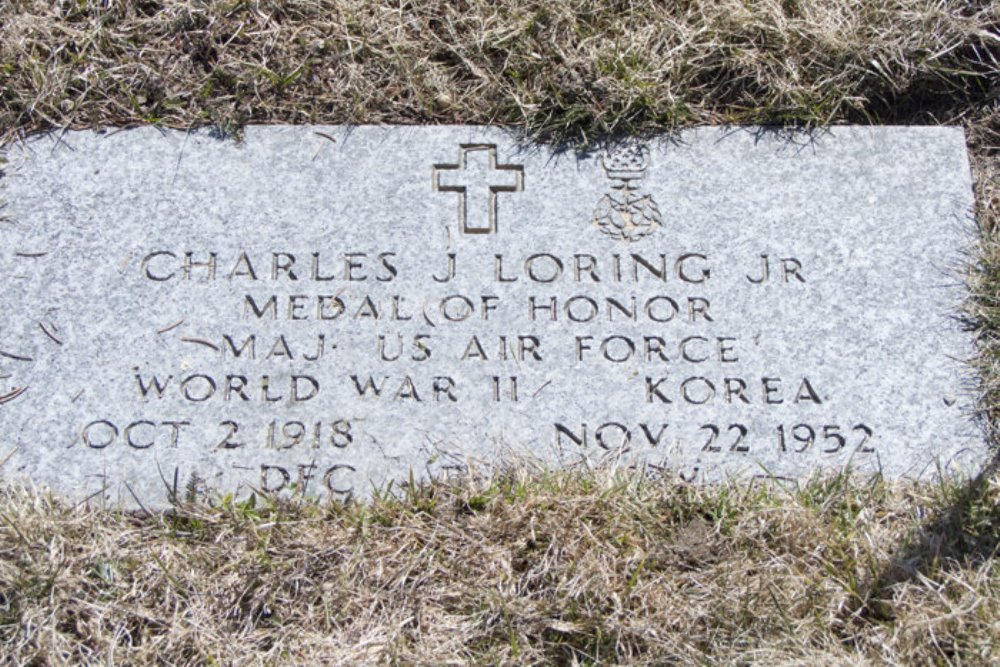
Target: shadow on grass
point(964, 531)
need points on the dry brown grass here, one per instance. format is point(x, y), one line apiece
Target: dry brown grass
point(566, 68)
point(558, 568)
point(526, 570)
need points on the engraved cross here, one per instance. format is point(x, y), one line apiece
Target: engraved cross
point(477, 178)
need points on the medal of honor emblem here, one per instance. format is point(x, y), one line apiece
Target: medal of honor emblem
point(626, 212)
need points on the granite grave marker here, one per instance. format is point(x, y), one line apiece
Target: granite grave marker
point(326, 309)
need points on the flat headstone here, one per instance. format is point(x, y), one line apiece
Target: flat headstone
point(331, 309)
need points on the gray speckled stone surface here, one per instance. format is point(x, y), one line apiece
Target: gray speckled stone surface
point(330, 348)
